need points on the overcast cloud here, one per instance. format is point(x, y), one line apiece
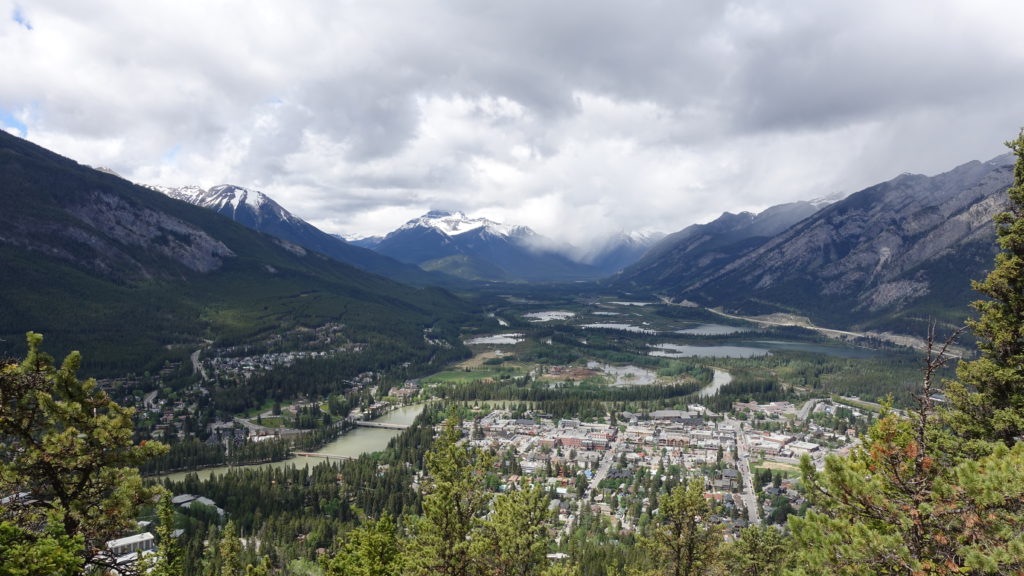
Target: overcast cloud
point(577, 118)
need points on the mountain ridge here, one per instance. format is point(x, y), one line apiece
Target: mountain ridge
point(891, 255)
point(258, 211)
point(132, 277)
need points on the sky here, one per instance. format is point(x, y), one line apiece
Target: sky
point(578, 118)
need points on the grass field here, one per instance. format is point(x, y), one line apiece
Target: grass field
point(474, 374)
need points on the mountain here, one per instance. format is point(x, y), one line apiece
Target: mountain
point(257, 211)
point(368, 242)
point(685, 257)
point(131, 277)
point(619, 251)
point(479, 249)
point(890, 256)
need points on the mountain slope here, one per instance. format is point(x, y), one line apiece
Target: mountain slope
point(257, 211)
point(130, 276)
point(619, 251)
point(685, 257)
point(890, 256)
point(480, 249)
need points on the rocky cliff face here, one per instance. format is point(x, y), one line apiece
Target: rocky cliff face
point(685, 257)
point(888, 248)
point(155, 232)
point(904, 248)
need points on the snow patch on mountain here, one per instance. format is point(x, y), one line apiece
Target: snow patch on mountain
point(457, 223)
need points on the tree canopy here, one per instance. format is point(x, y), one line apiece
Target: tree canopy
point(68, 464)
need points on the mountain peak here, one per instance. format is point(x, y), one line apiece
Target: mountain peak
point(455, 223)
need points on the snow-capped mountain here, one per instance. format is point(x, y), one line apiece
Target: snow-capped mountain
point(456, 223)
point(254, 209)
point(480, 249)
point(251, 208)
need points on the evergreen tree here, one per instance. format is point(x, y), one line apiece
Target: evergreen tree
point(229, 552)
point(906, 502)
point(373, 549)
point(67, 448)
point(24, 553)
point(759, 551)
point(455, 497)
point(989, 396)
point(514, 540)
point(685, 540)
point(168, 560)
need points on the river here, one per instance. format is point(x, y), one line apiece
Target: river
point(352, 444)
point(721, 378)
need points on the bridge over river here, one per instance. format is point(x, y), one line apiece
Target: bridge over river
point(324, 456)
point(384, 425)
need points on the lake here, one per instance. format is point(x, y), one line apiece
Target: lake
point(549, 315)
point(616, 326)
point(712, 330)
point(688, 351)
point(751, 349)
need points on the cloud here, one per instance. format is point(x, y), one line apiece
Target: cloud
point(579, 119)
point(19, 17)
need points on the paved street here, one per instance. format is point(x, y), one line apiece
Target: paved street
point(743, 465)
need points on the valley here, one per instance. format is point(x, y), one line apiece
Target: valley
point(298, 392)
point(594, 413)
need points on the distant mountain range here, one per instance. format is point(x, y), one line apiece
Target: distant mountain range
point(891, 256)
point(257, 211)
point(131, 277)
point(440, 248)
point(96, 258)
point(480, 249)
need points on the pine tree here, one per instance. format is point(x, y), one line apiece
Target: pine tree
point(229, 551)
point(759, 551)
point(455, 497)
point(906, 502)
point(514, 539)
point(67, 447)
point(372, 549)
point(168, 560)
point(685, 539)
point(989, 396)
point(24, 553)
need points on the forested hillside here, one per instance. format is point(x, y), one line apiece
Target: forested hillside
point(133, 278)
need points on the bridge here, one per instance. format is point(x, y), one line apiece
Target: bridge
point(324, 456)
point(385, 425)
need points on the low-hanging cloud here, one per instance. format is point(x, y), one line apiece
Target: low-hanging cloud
point(580, 119)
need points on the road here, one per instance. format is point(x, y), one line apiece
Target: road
point(197, 366)
point(149, 401)
point(743, 465)
point(791, 320)
point(806, 409)
point(600, 474)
